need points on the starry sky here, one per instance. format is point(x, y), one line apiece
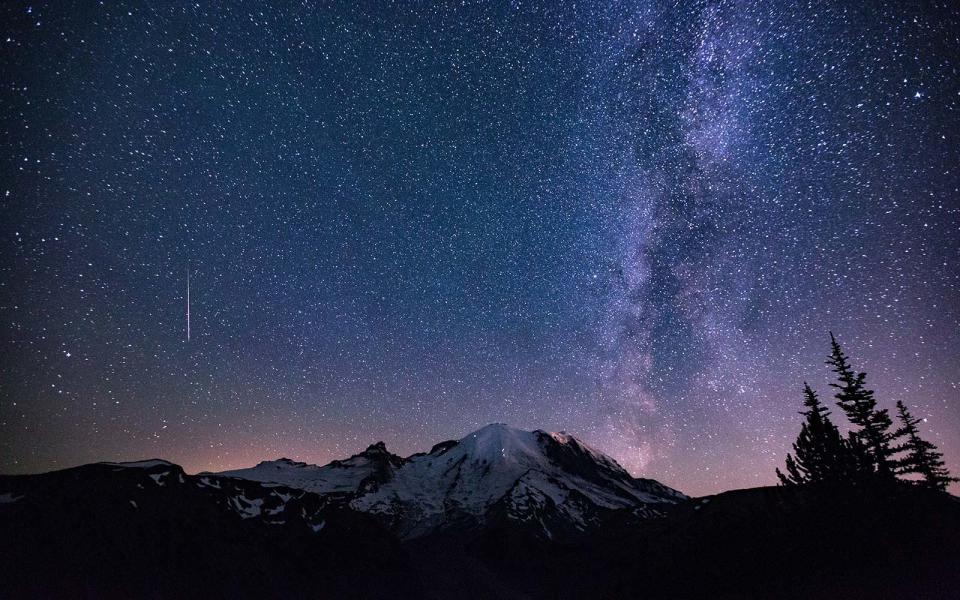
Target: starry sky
point(633, 221)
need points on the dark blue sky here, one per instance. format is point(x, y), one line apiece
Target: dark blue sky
point(633, 221)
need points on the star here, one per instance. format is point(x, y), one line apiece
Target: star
point(635, 222)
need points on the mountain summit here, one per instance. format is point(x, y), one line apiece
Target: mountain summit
point(551, 481)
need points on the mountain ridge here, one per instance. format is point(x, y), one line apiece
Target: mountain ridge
point(541, 476)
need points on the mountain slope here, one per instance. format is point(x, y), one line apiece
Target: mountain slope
point(550, 480)
point(337, 477)
point(814, 541)
point(147, 529)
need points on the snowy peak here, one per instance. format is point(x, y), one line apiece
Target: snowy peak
point(443, 447)
point(551, 479)
point(578, 447)
point(374, 465)
point(285, 462)
point(540, 450)
point(499, 443)
point(376, 456)
point(378, 453)
point(375, 449)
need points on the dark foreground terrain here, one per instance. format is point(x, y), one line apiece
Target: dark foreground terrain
point(109, 531)
point(769, 542)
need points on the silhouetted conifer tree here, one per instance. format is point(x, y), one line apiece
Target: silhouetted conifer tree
point(861, 409)
point(820, 452)
point(860, 460)
point(922, 457)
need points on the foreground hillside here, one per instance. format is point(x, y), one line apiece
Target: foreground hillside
point(500, 513)
point(774, 542)
point(147, 530)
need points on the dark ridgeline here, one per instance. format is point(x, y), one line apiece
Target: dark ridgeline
point(105, 531)
point(870, 452)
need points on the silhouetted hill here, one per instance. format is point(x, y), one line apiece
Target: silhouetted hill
point(147, 529)
point(775, 542)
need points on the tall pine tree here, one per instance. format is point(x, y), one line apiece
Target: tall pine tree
point(922, 457)
point(861, 409)
point(820, 452)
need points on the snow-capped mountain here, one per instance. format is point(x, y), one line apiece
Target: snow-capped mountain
point(550, 480)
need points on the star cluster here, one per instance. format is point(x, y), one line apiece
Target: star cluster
point(634, 221)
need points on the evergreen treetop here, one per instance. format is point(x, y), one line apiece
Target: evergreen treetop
point(922, 457)
point(820, 452)
point(860, 407)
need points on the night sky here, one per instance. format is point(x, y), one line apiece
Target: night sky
point(636, 222)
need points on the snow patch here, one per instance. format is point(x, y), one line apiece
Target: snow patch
point(275, 510)
point(9, 497)
point(338, 477)
point(246, 507)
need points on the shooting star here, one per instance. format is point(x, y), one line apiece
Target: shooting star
point(188, 302)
